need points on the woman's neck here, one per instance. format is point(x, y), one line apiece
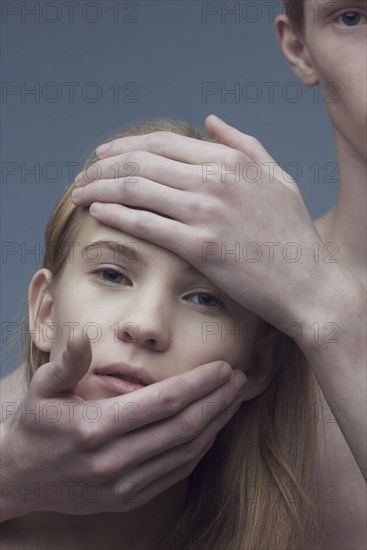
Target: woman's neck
point(345, 223)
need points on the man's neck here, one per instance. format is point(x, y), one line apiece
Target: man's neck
point(345, 223)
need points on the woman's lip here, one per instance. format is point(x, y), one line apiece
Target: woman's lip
point(125, 370)
point(119, 385)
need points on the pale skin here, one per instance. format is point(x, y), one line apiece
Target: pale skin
point(168, 404)
point(344, 224)
point(194, 196)
point(169, 179)
point(161, 403)
point(158, 307)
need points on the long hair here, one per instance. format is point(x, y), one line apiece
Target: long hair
point(249, 492)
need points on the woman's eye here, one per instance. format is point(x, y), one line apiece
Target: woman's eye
point(111, 275)
point(350, 18)
point(206, 300)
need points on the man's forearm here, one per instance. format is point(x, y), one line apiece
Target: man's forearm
point(334, 343)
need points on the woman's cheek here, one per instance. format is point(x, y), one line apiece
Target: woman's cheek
point(214, 343)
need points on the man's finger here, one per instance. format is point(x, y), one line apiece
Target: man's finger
point(165, 144)
point(164, 399)
point(67, 370)
point(169, 172)
point(167, 233)
point(250, 146)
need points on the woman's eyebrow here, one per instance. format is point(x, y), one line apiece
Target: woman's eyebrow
point(127, 252)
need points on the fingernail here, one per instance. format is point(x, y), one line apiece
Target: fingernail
point(96, 207)
point(102, 148)
point(240, 379)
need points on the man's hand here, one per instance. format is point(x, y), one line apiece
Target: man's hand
point(240, 220)
point(130, 448)
point(230, 210)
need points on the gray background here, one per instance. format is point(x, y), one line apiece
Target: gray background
point(129, 61)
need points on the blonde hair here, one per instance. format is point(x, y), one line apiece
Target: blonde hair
point(249, 492)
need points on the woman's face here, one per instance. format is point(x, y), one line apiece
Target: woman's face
point(145, 307)
point(336, 40)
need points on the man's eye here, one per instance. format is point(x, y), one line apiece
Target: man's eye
point(350, 18)
point(111, 275)
point(206, 300)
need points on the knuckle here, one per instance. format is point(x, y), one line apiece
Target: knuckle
point(158, 140)
point(100, 469)
point(208, 209)
point(128, 489)
point(128, 185)
point(126, 164)
point(125, 159)
point(170, 401)
point(92, 172)
point(143, 220)
point(195, 207)
point(88, 436)
point(188, 425)
point(136, 160)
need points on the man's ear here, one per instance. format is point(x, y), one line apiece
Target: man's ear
point(264, 366)
point(40, 302)
point(295, 51)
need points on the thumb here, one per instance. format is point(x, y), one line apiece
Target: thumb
point(63, 374)
point(251, 147)
point(230, 136)
point(223, 132)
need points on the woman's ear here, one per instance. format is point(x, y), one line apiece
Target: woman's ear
point(40, 302)
point(295, 51)
point(264, 366)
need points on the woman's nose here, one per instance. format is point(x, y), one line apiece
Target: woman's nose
point(146, 325)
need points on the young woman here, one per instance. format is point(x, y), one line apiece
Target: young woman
point(322, 294)
point(145, 314)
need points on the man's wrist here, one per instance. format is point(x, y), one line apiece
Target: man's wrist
point(335, 309)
